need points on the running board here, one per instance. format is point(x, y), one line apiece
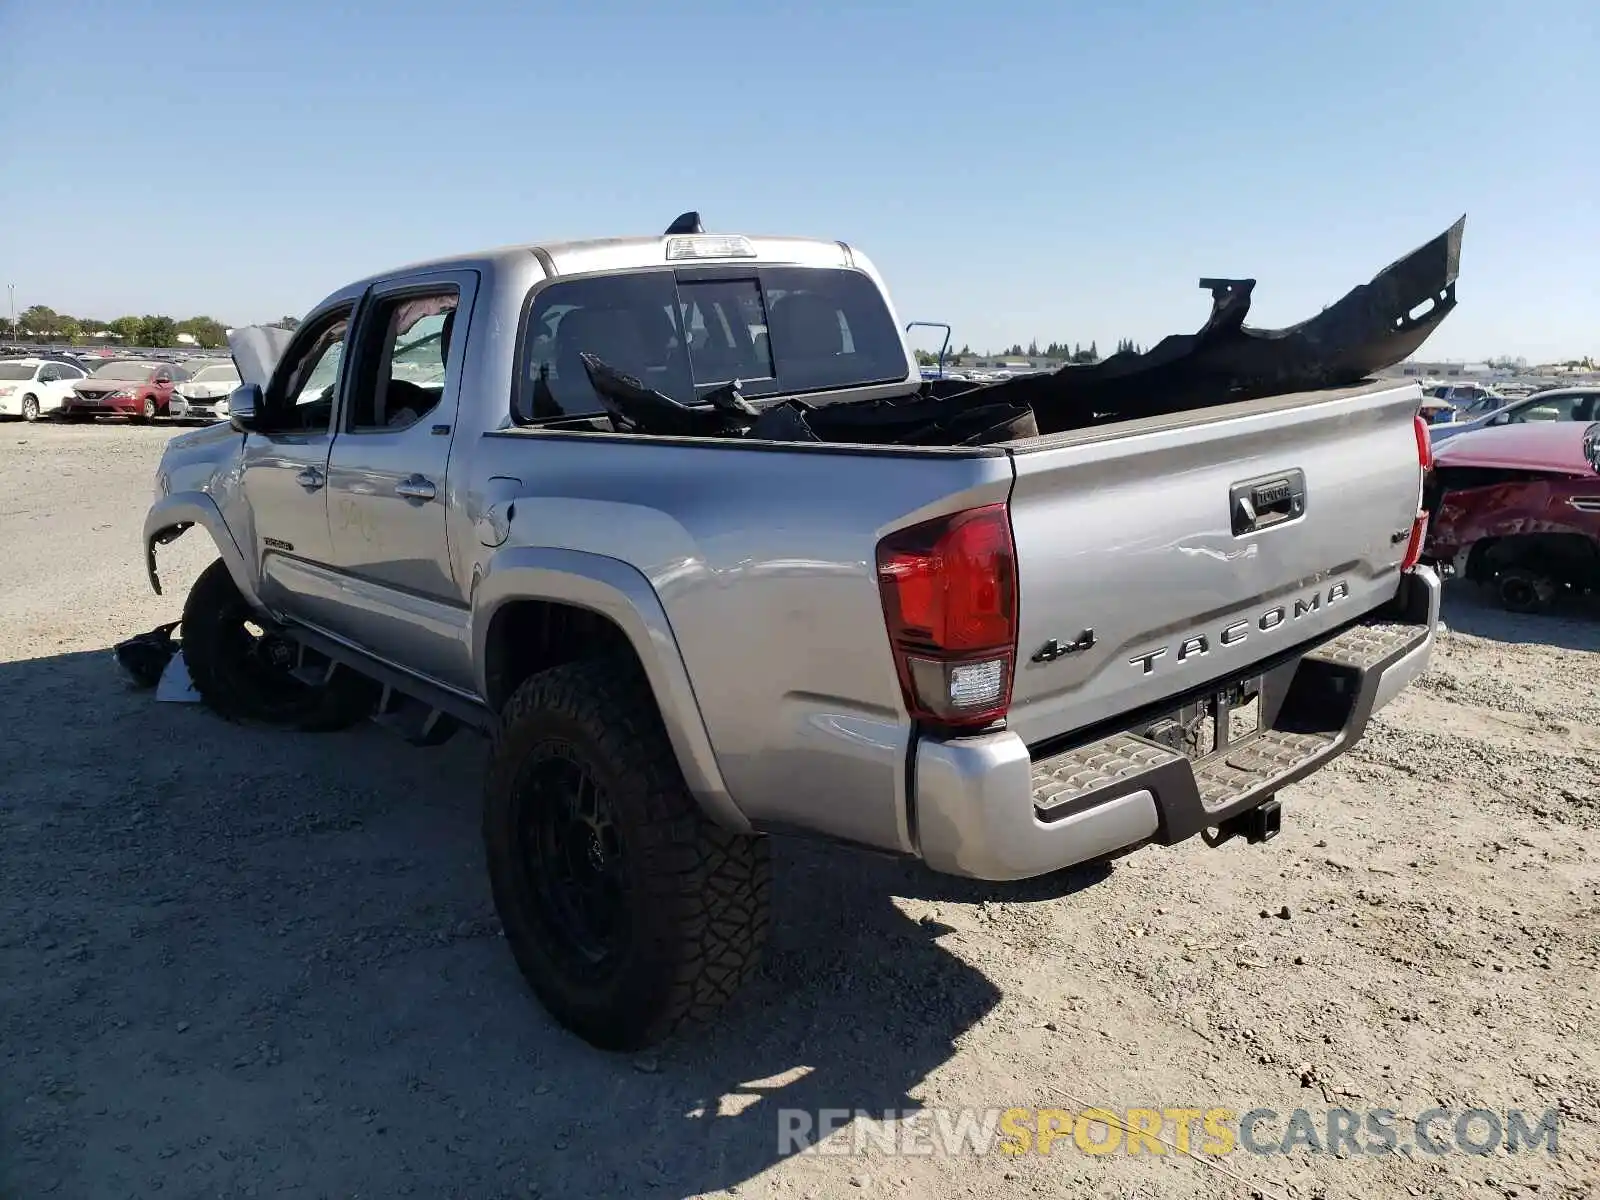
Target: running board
point(414, 720)
point(422, 712)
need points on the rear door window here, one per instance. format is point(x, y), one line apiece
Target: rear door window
point(777, 330)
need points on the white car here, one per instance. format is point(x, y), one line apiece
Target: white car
point(31, 388)
point(204, 397)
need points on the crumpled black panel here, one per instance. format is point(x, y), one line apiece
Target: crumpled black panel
point(1370, 328)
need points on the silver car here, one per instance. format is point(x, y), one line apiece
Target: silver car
point(204, 397)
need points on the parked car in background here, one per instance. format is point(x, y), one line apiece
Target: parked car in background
point(1466, 400)
point(204, 397)
point(1517, 509)
point(31, 388)
point(136, 388)
point(1560, 404)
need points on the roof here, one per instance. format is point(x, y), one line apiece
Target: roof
point(1534, 446)
point(625, 253)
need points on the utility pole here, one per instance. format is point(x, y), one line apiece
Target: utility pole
point(12, 288)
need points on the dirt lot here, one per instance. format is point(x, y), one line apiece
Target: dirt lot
point(239, 963)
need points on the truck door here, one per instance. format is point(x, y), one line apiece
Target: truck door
point(285, 462)
point(386, 476)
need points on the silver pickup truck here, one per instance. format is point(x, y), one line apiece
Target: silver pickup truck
point(1001, 658)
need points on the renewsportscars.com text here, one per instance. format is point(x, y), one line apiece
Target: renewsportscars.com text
point(1199, 1130)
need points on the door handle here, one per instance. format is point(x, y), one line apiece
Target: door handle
point(311, 479)
point(415, 488)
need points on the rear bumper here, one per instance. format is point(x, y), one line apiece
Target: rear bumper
point(986, 809)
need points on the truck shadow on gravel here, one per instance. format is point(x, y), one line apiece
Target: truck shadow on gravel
point(1571, 623)
point(239, 962)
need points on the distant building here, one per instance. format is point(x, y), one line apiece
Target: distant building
point(1002, 362)
point(1416, 369)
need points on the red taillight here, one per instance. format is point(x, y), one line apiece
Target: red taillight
point(1419, 531)
point(1419, 527)
point(949, 589)
point(1424, 443)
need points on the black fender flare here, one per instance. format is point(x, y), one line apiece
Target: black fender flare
point(619, 592)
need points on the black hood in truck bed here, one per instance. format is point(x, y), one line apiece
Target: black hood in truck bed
point(1370, 328)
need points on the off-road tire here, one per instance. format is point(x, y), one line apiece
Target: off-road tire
point(30, 408)
point(214, 617)
point(1524, 591)
point(694, 896)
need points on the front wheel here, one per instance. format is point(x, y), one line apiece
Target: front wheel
point(30, 408)
point(150, 409)
point(628, 911)
point(242, 664)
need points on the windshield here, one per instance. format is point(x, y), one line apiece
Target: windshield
point(124, 370)
point(13, 370)
point(217, 375)
point(777, 330)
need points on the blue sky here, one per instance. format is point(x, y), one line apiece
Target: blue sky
point(1022, 170)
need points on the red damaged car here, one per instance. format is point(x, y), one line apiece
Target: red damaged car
point(125, 388)
point(1517, 508)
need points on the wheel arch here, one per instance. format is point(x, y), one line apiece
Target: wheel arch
point(172, 516)
point(535, 607)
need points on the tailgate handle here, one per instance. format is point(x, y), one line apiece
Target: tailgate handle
point(1261, 503)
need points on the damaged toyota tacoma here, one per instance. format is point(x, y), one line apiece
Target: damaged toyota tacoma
point(676, 522)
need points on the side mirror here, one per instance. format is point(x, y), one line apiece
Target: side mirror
point(243, 405)
point(1502, 419)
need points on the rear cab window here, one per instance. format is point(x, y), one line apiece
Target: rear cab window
point(779, 331)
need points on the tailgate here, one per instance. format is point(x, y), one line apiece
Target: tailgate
point(1142, 574)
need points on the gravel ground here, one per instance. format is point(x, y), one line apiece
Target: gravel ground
point(239, 963)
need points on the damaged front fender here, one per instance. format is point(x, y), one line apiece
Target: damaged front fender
point(169, 518)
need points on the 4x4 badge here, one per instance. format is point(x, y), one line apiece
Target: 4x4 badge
point(1055, 648)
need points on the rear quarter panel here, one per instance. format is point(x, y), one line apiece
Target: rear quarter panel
point(764, 559)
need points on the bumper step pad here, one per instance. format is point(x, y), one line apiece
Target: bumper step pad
point(1244, 768)
point(1322, 699)
point(1063, 781)
point(1362, 647)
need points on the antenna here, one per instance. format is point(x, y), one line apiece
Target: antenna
point(688, 222)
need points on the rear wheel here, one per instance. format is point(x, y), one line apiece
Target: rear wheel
point(242, 664)
point(629, 912)
point(30, 408)
point(1525, 591)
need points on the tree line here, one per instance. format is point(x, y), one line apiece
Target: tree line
point(1075, 352)
point(45, 325)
